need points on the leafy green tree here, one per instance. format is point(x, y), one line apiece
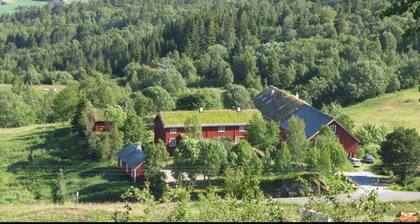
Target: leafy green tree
point(399, 8)
point(14, 111)
point(363, 80)
point(401, 152)
point(143, 105)
point(327, 141)
point(61, 191)
point(239, 184)
point(263, 134)
point(213, 157)
point(186, 157)
point(157, 157)
point(243, 156)
point(160, 97)
point(65, 103)
point(79, 125)
point(296, 140)
point(193, 127)
point(284, 158)
point(116, 114)
point(134, 129)
point(245, 68)
point(201, 98)
point(236, 96)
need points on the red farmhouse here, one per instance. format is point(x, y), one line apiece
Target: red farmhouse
point(280, 106)
point(131, 160)
point(169, 126)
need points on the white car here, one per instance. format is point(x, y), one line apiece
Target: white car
point(355, 162)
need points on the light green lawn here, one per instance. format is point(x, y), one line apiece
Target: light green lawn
point(390, 110)
point(11, 5)
point(38, 88)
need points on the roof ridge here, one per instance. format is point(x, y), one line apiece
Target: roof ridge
point(288, 94)
point(212, 110)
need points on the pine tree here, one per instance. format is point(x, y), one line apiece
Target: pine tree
point(76, 121)
point(61, 190)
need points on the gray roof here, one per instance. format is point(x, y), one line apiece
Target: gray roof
point(276, 104)
point(314, 120)
point(132, 155)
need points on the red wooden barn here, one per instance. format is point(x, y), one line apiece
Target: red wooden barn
point(169, 126)
point(131, 160)
point(280, 106)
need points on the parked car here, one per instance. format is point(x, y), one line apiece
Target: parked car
point(355, 162)
point(367, 158)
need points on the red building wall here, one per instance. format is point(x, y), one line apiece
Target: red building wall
point(165, 135)
point(139, 171)
point(349, 143)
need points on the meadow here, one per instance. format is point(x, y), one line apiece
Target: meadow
point(390, 110)
point(26, 178)
point(13, 5)
point(104, 211)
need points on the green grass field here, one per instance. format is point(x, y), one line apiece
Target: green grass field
point(48, 212)
point(54, 147)
point(38, 88)
point(11, 5)
point(390, 110)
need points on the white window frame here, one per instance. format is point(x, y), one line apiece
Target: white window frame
point(333, 128)
point(221, 129)
point(172, 130)
point(242, 128)
point(171, 140)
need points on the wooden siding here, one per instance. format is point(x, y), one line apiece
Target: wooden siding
point(165, 135)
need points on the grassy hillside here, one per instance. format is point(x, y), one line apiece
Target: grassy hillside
point(39, 88)
point(104, 212)
point(54, 147)
point(12, 4)
point(391, 110)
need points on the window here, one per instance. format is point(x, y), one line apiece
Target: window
point(172, 142)
point(333, 128)
point(221, 129)
point(241, 128)
point(172, 130)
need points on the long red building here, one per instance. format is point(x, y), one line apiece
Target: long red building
point(169, 126)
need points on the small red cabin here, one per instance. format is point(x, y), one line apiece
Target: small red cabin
point(131, 160)
point(169, 126)
point(102, 126)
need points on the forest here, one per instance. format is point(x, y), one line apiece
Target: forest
point(327, 51)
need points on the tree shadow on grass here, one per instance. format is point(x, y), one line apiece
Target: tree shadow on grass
point(109, 173)
point(106, 192)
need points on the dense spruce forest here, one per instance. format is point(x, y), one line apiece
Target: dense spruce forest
point(327, 51)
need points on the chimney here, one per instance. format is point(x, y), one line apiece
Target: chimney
point(238, 109)
point(138, 145)
point(201, 109)
point(297, 95)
